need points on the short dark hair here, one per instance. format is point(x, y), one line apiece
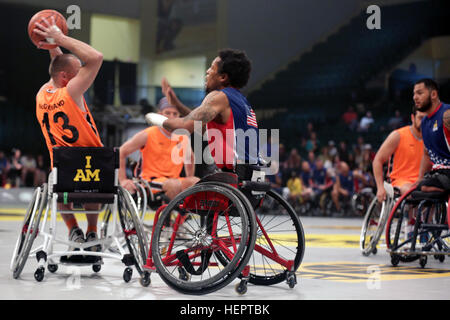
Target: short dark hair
point(430, 84)
point(60, 63)
point(236, 65)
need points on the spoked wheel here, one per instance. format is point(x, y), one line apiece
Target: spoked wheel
point(197, 227)
point(132, 228)
point(373, 226)
point(279, 246)
point(29, 230)
point(280, 242)
point(398, 234)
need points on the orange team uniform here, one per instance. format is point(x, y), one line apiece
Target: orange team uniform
point(62, 122)
point(157, 164)
point(407, 158)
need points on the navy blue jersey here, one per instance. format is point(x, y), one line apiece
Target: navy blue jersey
point(347, 182)
point(319, 176)
point(436, 138)
point(240, 135)
point(306, 178)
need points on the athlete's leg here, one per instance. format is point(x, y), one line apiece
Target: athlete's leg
point(171, 187)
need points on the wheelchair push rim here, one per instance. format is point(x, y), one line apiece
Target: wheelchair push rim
point(197, 225)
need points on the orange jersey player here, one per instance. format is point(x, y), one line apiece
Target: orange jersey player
point(61, 110)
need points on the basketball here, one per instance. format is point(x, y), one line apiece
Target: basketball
point(39, 17)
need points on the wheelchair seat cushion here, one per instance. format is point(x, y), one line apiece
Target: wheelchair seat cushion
point(436, 178)
point(85, 169)
point(226, 177)
point(420, 195)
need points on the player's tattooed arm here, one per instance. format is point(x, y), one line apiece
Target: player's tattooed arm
point(212, 106)
point(208, 110)
point(446, 119)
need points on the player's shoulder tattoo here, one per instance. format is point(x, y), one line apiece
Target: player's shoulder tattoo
point(446, 119)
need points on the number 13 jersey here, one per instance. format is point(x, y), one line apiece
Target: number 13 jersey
point(62, 122)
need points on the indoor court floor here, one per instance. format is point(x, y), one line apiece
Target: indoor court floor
point(332, 269)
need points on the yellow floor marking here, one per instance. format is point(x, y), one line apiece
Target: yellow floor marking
point(360, 272)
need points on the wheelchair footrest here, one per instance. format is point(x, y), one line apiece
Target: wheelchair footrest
point(80, 259)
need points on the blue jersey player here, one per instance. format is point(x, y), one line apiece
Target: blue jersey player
point(436, 137)
point(224, 112)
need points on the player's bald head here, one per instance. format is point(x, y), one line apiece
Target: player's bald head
point(67, 63)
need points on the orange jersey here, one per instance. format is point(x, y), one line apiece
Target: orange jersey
point(159, 158)
point(407, 158)
point(62, 122)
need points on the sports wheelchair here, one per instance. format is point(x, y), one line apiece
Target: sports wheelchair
point(417, 227)
point(80, 176)
point(216, 231)
point(375, 220)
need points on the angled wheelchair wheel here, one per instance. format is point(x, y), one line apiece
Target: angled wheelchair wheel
point(29, 230)
point(280, 243)
point(132, 228)
point(398, 235)
point(373, 226)
point(203, 223)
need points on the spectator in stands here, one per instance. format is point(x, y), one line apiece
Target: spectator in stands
point(322, 182)
point(295, 187)
point(332, 150)
point(306, 176)
point(276, 181)
point(396, 121)
point(343, 151)
point(312, 144)
point(4, 168)
point(366, 122)
point(312, 159)
point(343, 188)
point(15, 171)
point(350, 118)
point(42, 171)
point(320, 177)
point(325, 157)
point(28, 175)
point(293, 163)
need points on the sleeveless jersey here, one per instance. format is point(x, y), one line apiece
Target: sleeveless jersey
point(236, 141)
point(406, 158)
point(157, 154)
point(62, 121)
point(436, 138)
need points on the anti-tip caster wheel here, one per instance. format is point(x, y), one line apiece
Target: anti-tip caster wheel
point(241, 287)
point(52, 268)
point(423, 261)
point(395, 259)
point(127, 273)
point(291, 280)
point(145, 279)
point(39, 274)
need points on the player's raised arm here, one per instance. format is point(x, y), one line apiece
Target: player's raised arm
point(91, 58)
point(173, 99)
